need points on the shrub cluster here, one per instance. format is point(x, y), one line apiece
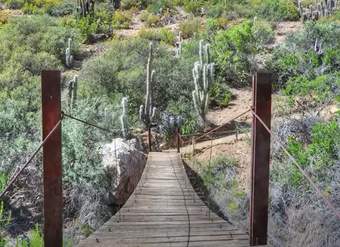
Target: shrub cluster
point(235, 49)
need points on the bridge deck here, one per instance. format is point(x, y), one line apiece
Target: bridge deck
point(164, 210)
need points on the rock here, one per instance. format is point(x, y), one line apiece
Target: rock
point(95, 37)
point(123, 160)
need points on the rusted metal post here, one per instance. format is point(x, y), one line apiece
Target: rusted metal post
point(262, 90)
point(53, 197)
point(149, 139)
point(178, 140)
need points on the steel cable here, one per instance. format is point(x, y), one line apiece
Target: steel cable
point(16, 175)
point(112, 131)
point(303, 172)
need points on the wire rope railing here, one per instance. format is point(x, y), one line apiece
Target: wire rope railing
point(301, 170)
point(31, 158)
point(14, 177)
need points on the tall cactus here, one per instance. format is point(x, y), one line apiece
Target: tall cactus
point(124, 118)
point(85, 7)
point(203, 75)
point(72, 91)
point(147, 112)
point(68, 55)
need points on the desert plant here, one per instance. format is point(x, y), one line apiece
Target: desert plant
point(121, 19)
point(164, 35)
point(203, 75)
point(220, 95)
point(85, 7)
point(277, 10)
point(190, 27)
point(147, 112)
point(153, 20)
point(72, 91)
point(235, 49)
point(68, 55)
point(179, 45)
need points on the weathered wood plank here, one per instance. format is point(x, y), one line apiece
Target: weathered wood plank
point(164, 210)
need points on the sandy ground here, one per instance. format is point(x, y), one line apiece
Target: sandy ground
point(241, 103)
point(283, 29)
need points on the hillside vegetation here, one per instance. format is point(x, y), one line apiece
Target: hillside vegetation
point(203, 53)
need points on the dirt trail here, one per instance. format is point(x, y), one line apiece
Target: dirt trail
point(135, 27)
point(241, 103)
point(283, 29)
point(171, 23)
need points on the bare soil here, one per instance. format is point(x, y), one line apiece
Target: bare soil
point(242, 102)
point(283, 29)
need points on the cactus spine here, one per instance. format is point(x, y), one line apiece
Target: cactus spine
point(72, 91)
point(68, 55)
point(203, 75)
point(124, 118)
point(147, 112)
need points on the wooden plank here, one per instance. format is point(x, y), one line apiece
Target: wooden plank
point(165, 210)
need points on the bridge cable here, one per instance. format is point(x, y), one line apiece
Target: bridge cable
point(223, 125)
point(16, 175)
point(113, 131)
point(303, 172)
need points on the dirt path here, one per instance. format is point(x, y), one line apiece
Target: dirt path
point(283, 29)
point(172, 23)
point(241, 103)
point(135, 27)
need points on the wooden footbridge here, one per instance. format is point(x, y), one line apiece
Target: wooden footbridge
point(164, 210)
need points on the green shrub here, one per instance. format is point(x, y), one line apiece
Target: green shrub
point(31, 44)
point(180, 107)
point(161, 35)
point(35, 239)
point(82, 145)
point(121, 19)
point(40, 7)
point(153, 20)
point(220, 95)
point(278, 10)
point(129, 4)
point(160, 6)
point(190, 27)
point(213, 25)
point(297, 56)
point(144, 15)
point(321, 89)
point(62, 8)
point(15, 4)
point(235, 48)
point(320, 154)
point(121, 70)
point(193, 6)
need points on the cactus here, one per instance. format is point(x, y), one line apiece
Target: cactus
point(147, 112)
point(320, 9)
point(72, 91)
point(68, 55)
point(203, 75)
point(85, 7)
point(124, 118)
